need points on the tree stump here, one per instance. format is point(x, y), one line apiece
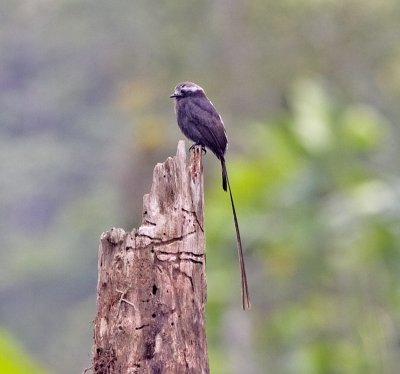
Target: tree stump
point(151, 290)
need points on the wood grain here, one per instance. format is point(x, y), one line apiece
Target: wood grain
point(151, 290)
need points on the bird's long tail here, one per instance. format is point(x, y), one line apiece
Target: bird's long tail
point(245, 290)
point(224, 174)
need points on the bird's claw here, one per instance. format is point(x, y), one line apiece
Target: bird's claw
point(203, 148)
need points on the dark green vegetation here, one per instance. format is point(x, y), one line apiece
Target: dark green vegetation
point(309, 93)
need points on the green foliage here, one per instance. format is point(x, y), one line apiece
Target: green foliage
point(13, 359)
point(321, 230)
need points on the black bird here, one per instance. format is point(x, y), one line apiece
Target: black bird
point(200, 122)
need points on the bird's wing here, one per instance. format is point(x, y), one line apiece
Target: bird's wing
point(208, 122)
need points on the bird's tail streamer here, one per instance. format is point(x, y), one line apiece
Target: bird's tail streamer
point(224, 174)
point(245, 289)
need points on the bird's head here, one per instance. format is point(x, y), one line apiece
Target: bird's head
point(185, 89)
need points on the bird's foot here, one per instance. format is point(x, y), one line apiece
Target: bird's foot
point(203, 148)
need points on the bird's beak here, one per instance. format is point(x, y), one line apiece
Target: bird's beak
point(175, 94)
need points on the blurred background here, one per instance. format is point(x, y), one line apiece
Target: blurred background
point(309, 91)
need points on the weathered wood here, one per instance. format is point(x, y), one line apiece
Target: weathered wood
point(151, 289)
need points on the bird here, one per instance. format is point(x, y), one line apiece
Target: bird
point(200, 122)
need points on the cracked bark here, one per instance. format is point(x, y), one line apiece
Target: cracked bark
point(151, 289)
